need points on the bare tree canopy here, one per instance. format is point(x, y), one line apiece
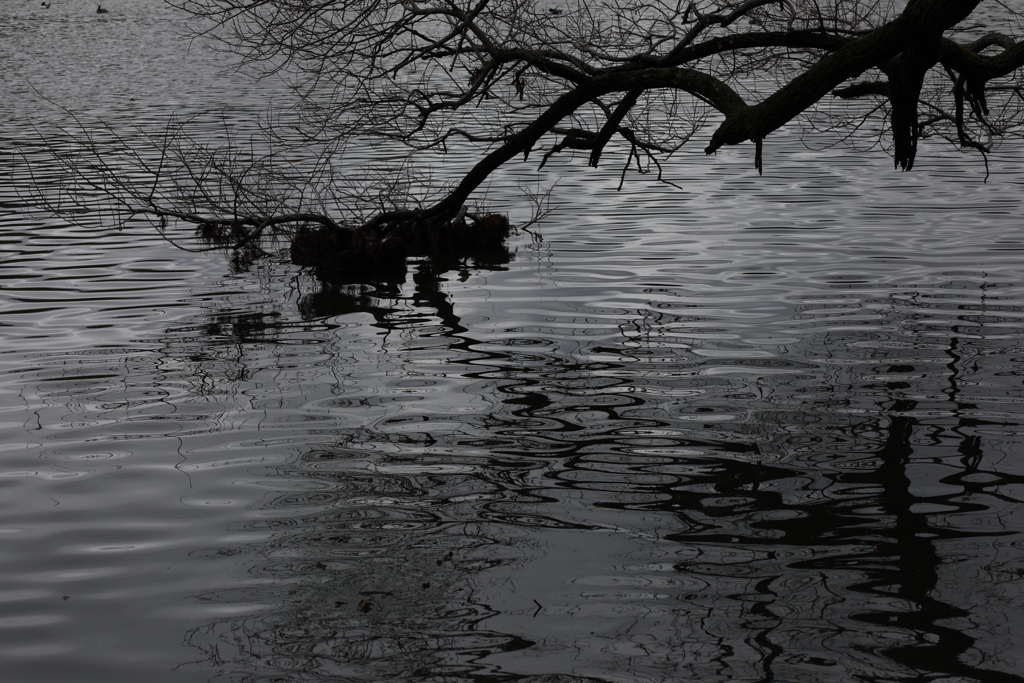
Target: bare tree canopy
point(511, 78)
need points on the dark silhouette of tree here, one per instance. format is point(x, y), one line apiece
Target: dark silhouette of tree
point(501, 79)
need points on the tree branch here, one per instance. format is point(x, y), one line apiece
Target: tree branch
point(922, 19)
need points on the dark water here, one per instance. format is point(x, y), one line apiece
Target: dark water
point(757, 429)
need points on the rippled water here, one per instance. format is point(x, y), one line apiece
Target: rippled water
point(754, 429)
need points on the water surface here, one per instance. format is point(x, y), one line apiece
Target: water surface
point(753, 429)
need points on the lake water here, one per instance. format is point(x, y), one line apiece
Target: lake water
point(753, 429)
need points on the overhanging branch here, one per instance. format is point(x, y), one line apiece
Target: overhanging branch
point(921, 20)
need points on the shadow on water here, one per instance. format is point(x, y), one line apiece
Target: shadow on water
point(625, 513)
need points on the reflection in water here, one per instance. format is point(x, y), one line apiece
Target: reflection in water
point(411, 482)
point(613, 513)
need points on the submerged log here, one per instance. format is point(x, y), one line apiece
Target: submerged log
point(380, 252)
point(374, 252)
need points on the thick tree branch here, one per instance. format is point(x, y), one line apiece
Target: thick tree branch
point(612, 125)
point(796, 40)
point(964, 60)
point(906, 77)
point(921, 20)
point(708, 88)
